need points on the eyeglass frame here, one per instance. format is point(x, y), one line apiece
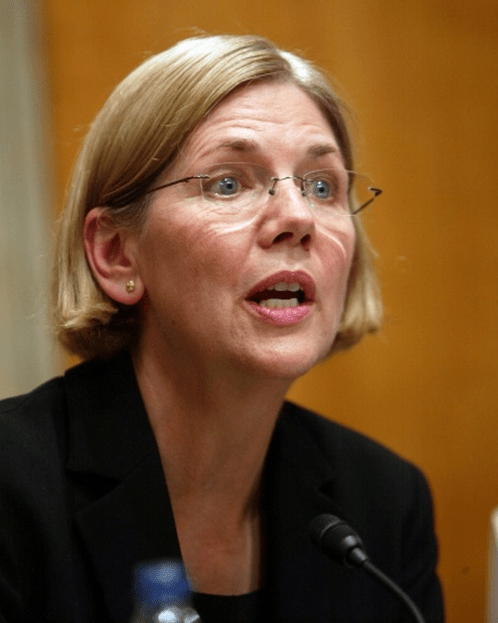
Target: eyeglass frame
point(272, 190)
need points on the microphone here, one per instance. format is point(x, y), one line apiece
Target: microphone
point(340, 542)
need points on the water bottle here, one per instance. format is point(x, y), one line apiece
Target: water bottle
point(162, 594)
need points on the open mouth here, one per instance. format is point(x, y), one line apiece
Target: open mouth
point(280, 295)
point(284, 298)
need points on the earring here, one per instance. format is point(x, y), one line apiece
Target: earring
point(130, 286)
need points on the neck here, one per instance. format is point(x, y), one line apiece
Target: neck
point(212, 429)
point(213, 432)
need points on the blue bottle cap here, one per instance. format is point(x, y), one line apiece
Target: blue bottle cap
point(161, 582)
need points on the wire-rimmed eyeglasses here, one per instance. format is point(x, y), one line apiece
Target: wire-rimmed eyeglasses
point(239, 185)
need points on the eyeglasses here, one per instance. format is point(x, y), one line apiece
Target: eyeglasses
point(239, 186)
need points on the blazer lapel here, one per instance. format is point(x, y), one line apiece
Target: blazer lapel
point(305, 584)
point(124, 516)
point(131, 524)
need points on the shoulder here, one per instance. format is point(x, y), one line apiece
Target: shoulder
point(384, 497)
point(44, 408)
point(382, 494)
point(32, 411)
point(343, 446)
point(366, 477)
point(31, 434)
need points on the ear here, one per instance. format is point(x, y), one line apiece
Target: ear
point(111, 253)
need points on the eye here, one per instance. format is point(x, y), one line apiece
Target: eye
point(327, 186)
point(233, 183)
point(321, 189)
point(226, 186)
point(237, 181)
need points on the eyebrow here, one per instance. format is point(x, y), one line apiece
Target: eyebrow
point(248, 146)
point(322, 149)
point(242, 144)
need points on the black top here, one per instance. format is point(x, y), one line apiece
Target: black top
point(249, 608)
point(83, 500)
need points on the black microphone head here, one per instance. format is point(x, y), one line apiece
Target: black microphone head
point(337, 539)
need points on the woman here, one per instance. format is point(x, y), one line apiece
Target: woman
point(208, 256)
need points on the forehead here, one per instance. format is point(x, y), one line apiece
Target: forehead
point(270, 118)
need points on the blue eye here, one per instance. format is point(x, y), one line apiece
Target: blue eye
point(226, 186)
point(320, 189)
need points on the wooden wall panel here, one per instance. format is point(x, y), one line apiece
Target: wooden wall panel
point(422, 79)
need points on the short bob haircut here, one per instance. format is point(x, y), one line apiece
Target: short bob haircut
point(136, 136)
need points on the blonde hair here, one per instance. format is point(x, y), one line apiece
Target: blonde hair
point(136, 136)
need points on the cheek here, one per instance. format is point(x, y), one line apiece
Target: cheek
point(339, 246)
point(189, 245)
point(337, 264)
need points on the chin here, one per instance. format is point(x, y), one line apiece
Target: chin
point(288, 365)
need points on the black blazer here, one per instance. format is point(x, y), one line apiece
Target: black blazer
point(83, 499)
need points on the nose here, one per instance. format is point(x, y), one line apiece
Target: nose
point(288, 217)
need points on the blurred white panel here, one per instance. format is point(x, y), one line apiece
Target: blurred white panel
point(493, 570)
point(27, 352)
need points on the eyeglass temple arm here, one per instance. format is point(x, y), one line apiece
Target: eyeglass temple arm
point(376, 192)
point(184, 179)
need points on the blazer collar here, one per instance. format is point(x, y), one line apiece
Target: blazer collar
point(109, 432)
point(300, 483)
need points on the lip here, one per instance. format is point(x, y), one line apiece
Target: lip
point(289, 315)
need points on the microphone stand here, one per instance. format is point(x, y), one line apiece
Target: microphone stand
point(338, 540)
point(394, 588)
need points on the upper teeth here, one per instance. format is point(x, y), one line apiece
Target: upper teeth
point(282, 287)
